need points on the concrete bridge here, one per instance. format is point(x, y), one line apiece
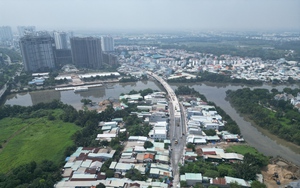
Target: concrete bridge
point(177, 128)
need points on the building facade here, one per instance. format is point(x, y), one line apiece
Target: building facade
point(26, 30)
point(37, 53)
point(107, 44)
point(61, 40)
point(86, 52)
point(6, 33)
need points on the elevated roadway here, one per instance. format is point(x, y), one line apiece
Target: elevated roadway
point(177, 128)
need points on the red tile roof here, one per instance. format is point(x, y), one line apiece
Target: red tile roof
point(149, 156)
point(219, 181)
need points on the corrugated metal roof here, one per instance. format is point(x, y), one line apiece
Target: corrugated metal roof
point(113, 165)
point(193, 176)
point(241, 182)
point(83, 176)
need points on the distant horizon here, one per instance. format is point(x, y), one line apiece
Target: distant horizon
point(153, 15)
point(154, 31)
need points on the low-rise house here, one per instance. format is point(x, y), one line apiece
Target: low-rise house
point(156, 173)
point(106, 136)
point(210, 125)
point(160, 166)
point(158, 134)
point(111, 123)
point(148, 158)
point(162, 159)
point(129, 161)
point(134, 97)
point(196, 139)
point(147, 108)
point(225, 182)
point(158, 116)
point(190, 156)
point(126, 155)
point(117, 120)
point(120, 167)
point(137, 138)
point(231, 157)
point(231, 137)
point(195, 131)
point(140, 157)
point(213, 138)
point(209, 151)
point(191, 178)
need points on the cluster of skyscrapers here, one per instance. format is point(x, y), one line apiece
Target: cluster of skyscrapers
point(42, 51)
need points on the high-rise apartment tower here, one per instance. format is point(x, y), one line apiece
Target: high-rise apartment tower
point(60, 39)
point(86, 52)
point(107, 44)
point(37, 53)
point(6, 33)
point(26, 30)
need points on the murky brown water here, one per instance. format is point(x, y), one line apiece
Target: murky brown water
point(263, 141)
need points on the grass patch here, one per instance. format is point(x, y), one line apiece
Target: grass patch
point(242, 149)
point(8, 127)
point(36, 139)
point(283, 121)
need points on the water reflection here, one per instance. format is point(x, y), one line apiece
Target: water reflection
point(44, 96)
point(256, 137)
point(213, 92)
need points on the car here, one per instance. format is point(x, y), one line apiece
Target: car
point(176, 141)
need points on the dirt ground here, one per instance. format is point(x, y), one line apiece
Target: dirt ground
point(103, 105)
point(286, 171)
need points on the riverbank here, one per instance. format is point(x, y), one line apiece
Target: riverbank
point(215, 93)
point(266, 132)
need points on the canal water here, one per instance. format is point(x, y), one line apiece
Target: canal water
point(256, 137)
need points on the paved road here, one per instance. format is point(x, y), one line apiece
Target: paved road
point(177, 128)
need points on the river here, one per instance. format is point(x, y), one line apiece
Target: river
point(256, 137)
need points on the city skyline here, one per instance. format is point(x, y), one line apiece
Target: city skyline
point(136, 15)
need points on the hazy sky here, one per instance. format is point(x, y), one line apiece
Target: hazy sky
point(152, 14)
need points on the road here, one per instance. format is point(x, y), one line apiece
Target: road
point(177, 129)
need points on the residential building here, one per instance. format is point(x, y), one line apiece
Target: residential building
point(110, 59)
point(6, 33)
point(148, 158)
point(63, 57)
point(160, 134)
point(107, 44)
point(225, 182)
point(191, 178)
point(158, 116)
point(60, 39)
point(26, 30)
point(37, 52)
point(86, 52)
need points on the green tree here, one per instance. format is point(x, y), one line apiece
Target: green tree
point(234, 185)
point(134, 175)
point(210, 132)
point(211, 173)
point(109, 173)
point(148, 144)
point(199, 185)
point(191, 146)
point(100, 185)
point(86, 101)
point(183, 184)
point(257, 184)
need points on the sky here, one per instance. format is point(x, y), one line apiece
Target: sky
point(160, 15)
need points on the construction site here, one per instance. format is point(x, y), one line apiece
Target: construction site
point(279, 173)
